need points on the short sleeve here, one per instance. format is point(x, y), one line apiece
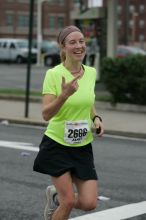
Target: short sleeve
point(49, 86)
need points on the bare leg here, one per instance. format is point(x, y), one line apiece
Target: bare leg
point(86, 199)
point(64, 187)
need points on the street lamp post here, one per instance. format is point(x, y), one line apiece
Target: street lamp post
point(111, 28)
point(39, 30)
point(27, 91)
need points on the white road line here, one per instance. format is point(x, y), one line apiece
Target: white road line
point(19, 145)
point(124, 137)
point(117, 213)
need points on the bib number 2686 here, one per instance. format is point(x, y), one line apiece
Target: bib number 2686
point(76, 132)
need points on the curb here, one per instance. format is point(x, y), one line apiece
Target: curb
point(121, 107)
point(27, 121)
point(20, 98)
point(99, 104)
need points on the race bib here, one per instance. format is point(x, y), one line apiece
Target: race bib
point(76, 131)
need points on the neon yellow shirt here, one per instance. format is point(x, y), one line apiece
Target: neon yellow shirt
point(71, 126)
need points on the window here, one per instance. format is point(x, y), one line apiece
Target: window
point(131, 8)
point(52, 22)
point(76, 1)
point(12, 46)
point(119, 23)
point(61, 2)
point(4, 45)
point(142, 8)
point(60, 22)
point(119, 9)
point(9, 19)
point(131, 23)
point(23, 1)
point(141, 23)
point(56, 2)
point(34, 21)
point(23, 20)
point(141, 37)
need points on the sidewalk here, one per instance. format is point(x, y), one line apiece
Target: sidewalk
point(115, 121)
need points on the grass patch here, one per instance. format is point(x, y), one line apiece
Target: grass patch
point(18, 92)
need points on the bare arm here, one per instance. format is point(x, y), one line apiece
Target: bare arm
point(52, 104)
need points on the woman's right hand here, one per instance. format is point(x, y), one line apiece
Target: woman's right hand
point(69, 88)
point(52, 104)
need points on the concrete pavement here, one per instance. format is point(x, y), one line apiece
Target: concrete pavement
point(127, 122)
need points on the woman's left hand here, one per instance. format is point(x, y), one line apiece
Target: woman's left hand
point(98, 127)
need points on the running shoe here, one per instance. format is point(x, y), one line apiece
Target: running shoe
point(50, 204)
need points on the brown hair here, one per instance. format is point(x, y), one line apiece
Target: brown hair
point(61, 37)
point(65, 32)
point(62, 55)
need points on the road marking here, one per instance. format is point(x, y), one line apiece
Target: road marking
point(42, 127)
point(124, 137)
point(18, 145)
point(103, 198)
point(117, 213)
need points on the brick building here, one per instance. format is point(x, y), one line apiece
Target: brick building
point(131, 22)
point(14, 18)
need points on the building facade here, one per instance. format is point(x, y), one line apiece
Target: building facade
point(14, 18)
point(131, 22)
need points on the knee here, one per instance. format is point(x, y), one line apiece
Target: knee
point(68, 202)
point(88, 205)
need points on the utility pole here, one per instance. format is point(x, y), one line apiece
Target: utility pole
point(111, 28)
point(29, 58)
point(39, 30)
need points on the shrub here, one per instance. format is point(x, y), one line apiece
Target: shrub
point(125, 78)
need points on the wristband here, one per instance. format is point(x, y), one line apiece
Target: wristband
point(96, 116)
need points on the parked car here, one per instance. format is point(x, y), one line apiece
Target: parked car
point(15, 50)
point(124, 51)
point(52, 56)
point(50, 52)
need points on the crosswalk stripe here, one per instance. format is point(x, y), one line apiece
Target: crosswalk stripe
point(19, 145)
point(117, 213)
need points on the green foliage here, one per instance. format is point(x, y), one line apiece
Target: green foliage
point(125, 79)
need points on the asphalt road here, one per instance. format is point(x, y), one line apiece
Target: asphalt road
point(120, 164)
point(13, 76)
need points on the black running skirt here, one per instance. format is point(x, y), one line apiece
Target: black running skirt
point(55, 159)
